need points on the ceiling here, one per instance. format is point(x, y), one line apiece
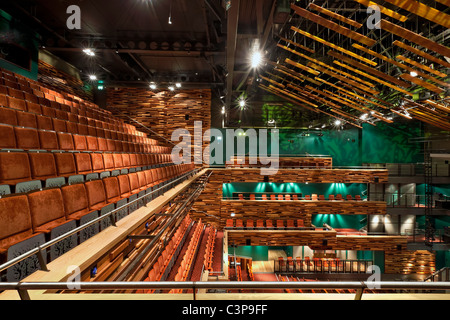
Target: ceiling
point(208, 45)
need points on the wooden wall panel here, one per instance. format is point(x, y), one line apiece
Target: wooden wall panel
point(408, 261)
point(281, 238)
point(165, 111)
point(301, 209)
point(209, 201)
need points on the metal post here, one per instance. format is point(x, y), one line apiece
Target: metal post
point(41, 259)
point(24, 294)
point(359, 294)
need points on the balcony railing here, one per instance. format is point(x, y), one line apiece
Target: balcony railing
point(411, 169)
point(321, 266)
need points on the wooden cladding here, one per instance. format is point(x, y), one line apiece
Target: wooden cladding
point(210, 200)
point(317, 240)
point(423, 11)
point(281, 237)
point(291, 209)
point(414, 37)
point(302, 176)
point(334, 15)
point(384, 10)
point(163, 112)
point(308, 162)
point(408, 261)
point(421, 53)
point(333, 26)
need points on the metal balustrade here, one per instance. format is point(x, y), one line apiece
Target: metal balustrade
point(321, 266)
point(23, 288)
point(40, 250)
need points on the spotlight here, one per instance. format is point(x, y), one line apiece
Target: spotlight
point(152, 86)
point(337, 122)
point(413, 74)
point(178, 85)
point(89, 52)
point(93, 77)
point(364, 116)
point(171, 88)
point(223, 110)
point(256, 59)
point(242, 103)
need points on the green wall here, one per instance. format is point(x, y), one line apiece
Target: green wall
point(310, 188)
point(257, 253)
point(383, 143)
point(15, 33)
point(389, 143)
point(340, 221)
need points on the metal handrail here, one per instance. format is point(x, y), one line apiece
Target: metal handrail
point(360, 286)
point(38, 250)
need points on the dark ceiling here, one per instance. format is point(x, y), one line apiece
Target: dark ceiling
point(208, 44)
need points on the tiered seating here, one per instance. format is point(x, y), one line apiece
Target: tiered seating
point(172, 250)
point(183, 270)
point(46, 135)
point(45, 214)
point(279, 224)
point(208, 258)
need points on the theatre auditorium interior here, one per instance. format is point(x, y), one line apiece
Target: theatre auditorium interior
point(224, 149)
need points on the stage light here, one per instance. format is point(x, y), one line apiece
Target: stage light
point(413, 74)
point(92, 77)
point(242, 103)
point(171, 88)
point(89, 52)
point(178, 85)
point(256, 59)
point(152, 86)
point(337, 122)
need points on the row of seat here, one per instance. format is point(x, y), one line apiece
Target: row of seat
point(171, 251)
point(296, 197)
point(188, 258)
point(208, 257)
point(45, 214)
point(12, 137)
point(280, 224)
point(30, 89)
point(37, 103)
point(22, 89)
point(67, 123)
point(19, 167)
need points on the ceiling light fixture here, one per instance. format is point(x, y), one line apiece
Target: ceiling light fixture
point(89, 52)
point(337, 122)
point(93, 77)
point(413, 74)
point(152, 86)
point(256, 59)
point(178, 85)
point(171, 88)
point(242, 103)
point(170, 13)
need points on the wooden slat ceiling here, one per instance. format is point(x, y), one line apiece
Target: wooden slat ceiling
point(329, 55)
